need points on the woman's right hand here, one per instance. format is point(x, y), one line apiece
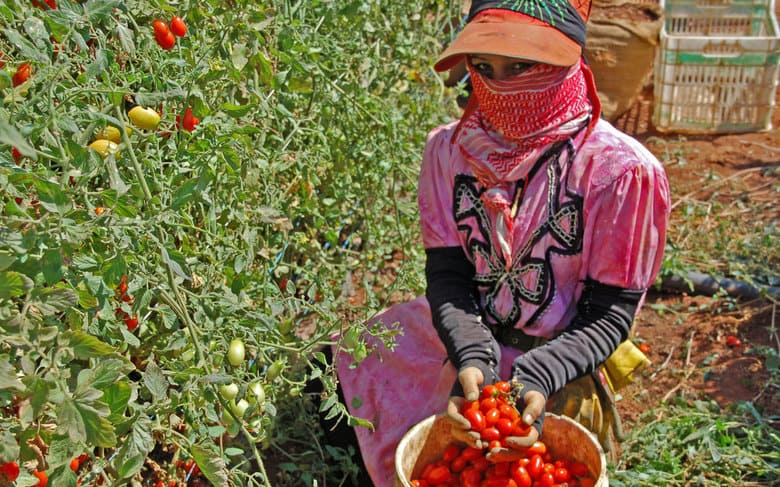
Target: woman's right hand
point(471, 379)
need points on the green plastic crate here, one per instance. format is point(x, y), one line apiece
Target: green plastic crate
point(716, 66)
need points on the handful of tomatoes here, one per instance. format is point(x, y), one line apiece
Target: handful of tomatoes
point(494, 415)
point(469, 467)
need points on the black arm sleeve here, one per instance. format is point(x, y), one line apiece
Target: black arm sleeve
point(452, 297)
point(604, 317)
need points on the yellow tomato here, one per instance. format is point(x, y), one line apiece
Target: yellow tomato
point(105, 147)
point(112, 133)
point(144, 118)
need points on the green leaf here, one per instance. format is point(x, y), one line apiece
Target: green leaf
point(52, 197)
point(14, 284)
point(117, 396)
point(52, 301)
point(211, 464)
point(88, 346)
point(9, 449)
point(27, 49)
point(6, 260)
point(131, 466)
point(52, 266)
point(138, 443)
point(99, 66)
point(175, 261)
point(235, 111)
point(184, 194)
point(101, 10)
point(8, 380)
point(126, 38)
point(104, 374)
point(83, 418)
point(155, 381)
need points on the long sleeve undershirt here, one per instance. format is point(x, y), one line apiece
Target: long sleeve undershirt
point(603, 320)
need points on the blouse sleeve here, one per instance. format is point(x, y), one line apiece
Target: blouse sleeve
point(627, 223)
point(435, 188)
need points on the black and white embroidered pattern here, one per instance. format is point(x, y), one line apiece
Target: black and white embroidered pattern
point(529, 279)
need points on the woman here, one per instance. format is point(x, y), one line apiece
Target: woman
point(543, 227)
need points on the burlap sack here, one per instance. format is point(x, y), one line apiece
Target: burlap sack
point(622, 38)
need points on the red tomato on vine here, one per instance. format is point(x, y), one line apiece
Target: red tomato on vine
point(22, 74)
point(43, 478)
point(178, 27)
point(52, 4)
point(10, 470)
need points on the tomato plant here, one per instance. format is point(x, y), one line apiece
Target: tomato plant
point(124, 277)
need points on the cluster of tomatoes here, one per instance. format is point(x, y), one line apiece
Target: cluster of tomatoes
point(464, 466)
point(166, 35)
point(121, 293)
point(10, 471)
point(494, 415)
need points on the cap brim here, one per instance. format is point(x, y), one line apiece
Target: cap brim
point(518, 38)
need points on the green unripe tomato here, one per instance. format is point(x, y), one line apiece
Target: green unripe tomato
point(274, 369)
point(256, 393)
point(240, 407)
point(229, 391)
point(236, 352)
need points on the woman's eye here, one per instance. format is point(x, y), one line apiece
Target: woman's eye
point(520, 67)
point(483, 68)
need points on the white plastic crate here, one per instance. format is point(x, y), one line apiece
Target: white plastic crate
point(716, 66)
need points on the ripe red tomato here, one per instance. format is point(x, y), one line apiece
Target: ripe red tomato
point(131, 323)
point(644, 348)
point(546, 480)
point(178, 27)
point(22, 74)
point(16, 155)
point(160, 27)
point(450, 453)
point(538, 448)
point(52, 4)
point(503, 386)
point(43, 479)
point(10, 470)
point(492, 416)
point(166, 39)
point(489, 391)
point(476, 419)
point(535, 466)
point(490, 434)
point(438, 475)
point(458, 464)
point(520, 475)
point(189, 122)
point(505, 426)
point(561, 475)
point(733, 341)
point(579, 469)
point(74, 464)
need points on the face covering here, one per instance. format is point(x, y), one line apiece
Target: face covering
point(516, 119)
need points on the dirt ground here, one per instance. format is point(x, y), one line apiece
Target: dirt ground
point(688, 349)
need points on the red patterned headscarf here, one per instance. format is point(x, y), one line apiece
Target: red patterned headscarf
point(517, 119)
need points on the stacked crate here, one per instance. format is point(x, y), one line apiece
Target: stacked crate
point(716, 67)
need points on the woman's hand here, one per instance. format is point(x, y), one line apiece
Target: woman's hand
point(471, 380)
point(535, 403)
